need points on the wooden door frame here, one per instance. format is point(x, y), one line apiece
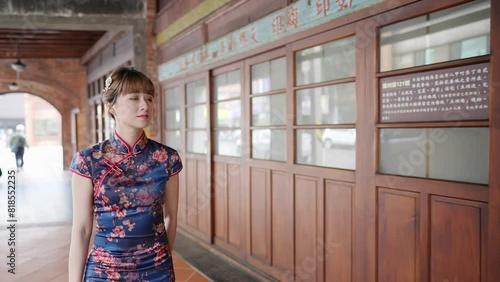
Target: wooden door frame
point(239, 252)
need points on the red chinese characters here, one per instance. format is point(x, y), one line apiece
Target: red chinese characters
point(254, 35)
point(278, 24)
point(293, 17)
point(201, 55)
point(322, 7)
point(222, 47)
point(243, 37)
point(232, 43)
point(343, 4)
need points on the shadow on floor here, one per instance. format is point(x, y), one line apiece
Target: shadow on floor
point(210, 264)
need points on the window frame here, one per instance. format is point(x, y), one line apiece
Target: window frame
point(320, 39)
point(415, 70)
point(202, 76)
point(212, 101)
point(163, 116)
point(267, 57)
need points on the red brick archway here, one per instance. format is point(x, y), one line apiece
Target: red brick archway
point(61, 82)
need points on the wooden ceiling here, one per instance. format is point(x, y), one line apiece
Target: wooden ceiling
point(39, 43)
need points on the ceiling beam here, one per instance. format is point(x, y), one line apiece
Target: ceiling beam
point(106, 39)
point(87, 22)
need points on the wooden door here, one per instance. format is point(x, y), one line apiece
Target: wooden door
point(425, 227)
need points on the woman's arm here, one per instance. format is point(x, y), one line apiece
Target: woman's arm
point(170, 208)
point(82, 226)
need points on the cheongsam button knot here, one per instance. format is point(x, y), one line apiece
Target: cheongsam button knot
point(114, 167)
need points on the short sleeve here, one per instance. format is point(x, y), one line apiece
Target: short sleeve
point(174, 163)
point(79, 166)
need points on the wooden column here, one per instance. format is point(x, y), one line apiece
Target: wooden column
point(493, 249)
point(140, 48)
point(364, 203)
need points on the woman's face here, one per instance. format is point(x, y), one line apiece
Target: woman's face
point(133, 110)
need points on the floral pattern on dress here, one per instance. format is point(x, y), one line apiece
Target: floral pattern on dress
point(130, 241)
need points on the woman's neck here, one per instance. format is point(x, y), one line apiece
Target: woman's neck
point(130, 136)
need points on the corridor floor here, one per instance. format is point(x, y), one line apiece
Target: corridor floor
point(43, 227)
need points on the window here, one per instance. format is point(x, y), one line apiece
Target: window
point(102, 125)
point(325, 115)
point(456, 33)
point(227, 113)
point(197, 117)
point(46, 127)
point(327, 62)
point(109, 123)
point(269, 113)
point(99, 122)
point(173, 117)
point(449, 151)
point(459, 154)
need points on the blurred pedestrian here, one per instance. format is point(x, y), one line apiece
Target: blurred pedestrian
point(17, 145)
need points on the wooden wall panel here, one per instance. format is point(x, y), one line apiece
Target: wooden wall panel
point(220, 200)
point(398, 214)
point(259, 213)
point(306, 224)
point(282, 222)
point(203, 198)
point(192, 192)
point(456, 239)
point(234, 204)
point(173, 11)
point(181, 45)
point(338, 231)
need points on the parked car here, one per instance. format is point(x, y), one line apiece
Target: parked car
point(338, 137)
point(261, 144)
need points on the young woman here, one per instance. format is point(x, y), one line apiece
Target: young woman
point(129, 186)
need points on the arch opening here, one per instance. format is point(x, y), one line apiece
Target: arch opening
point(42, 123)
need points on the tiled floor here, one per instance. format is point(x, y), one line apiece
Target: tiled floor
point(186, 272)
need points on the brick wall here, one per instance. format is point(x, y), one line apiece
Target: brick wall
point(59, 81)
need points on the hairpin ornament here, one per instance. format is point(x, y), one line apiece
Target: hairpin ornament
point(107, 83)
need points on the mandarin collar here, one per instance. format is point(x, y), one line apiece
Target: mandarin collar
point(123, 147)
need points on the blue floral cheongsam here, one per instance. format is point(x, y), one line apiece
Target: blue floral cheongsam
point(129, 182)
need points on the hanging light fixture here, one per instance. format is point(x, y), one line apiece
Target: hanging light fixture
point(18, 66)
point(14, 86)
